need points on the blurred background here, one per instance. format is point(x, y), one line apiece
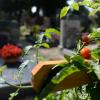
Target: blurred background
point(21, 19)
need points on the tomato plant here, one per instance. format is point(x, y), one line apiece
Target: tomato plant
point(86, 39)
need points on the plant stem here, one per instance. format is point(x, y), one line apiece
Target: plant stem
point(18, 86)
point(81, 47)
point(37, 54)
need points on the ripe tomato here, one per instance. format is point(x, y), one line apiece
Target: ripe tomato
point(86, 39)
point(85, 53)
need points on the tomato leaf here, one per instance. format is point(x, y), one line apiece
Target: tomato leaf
point(75, 6)
point(95, 34)
point(96, 69)
point(67, 57)
point(95, 53)
point(64, 73)
point(46, 45)
point(64, 12)
point(2, 68)
point(52, 30)
point(78, 61)
point(14, 94)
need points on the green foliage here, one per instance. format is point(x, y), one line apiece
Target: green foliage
point(78, 61)
point(27, 49)
point(95, 6)
point(96, 53)
point(46, 45)
point(51, 30)
point(96, 69)
point(95, 34)
point(75, 6)
point(2, 68)
point(68, 70)
point(94, 91)
point(22, 67)
point(85, 3)
point(67, 57)
point(14, 94)
point(64, 11)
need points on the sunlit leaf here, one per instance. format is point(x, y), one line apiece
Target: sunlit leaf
point(79, 44)
point(51, 30)
point(95, 5)
point(92, 12)
point(14, 94)
point(85, 2)
point(75, 6)
point(2, 68)
point(64, 12)
point(95, 34)
point(48, 35)
point(95, 53)
point(46, 45)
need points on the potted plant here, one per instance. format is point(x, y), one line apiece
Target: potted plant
point(81, 68)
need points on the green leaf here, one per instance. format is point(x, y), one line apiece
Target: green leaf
point(95, 53)
point(75, 6)
point(51, 30)
point(27, 48)
point(67, 57)
point(79, 44)
point(78, 61)
point(2, 68)
point(85, 2)
point(95, 5)
point(92, 13)
point(65, 72)
point(64, 11)
point(14, 94)
point(95, 34)
point(48, 35)
point(40, 38)
point(96, 69)
point(46, 45)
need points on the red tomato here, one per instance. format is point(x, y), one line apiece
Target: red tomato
point(85, 53)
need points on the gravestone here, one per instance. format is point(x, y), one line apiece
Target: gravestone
point(70, 31)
